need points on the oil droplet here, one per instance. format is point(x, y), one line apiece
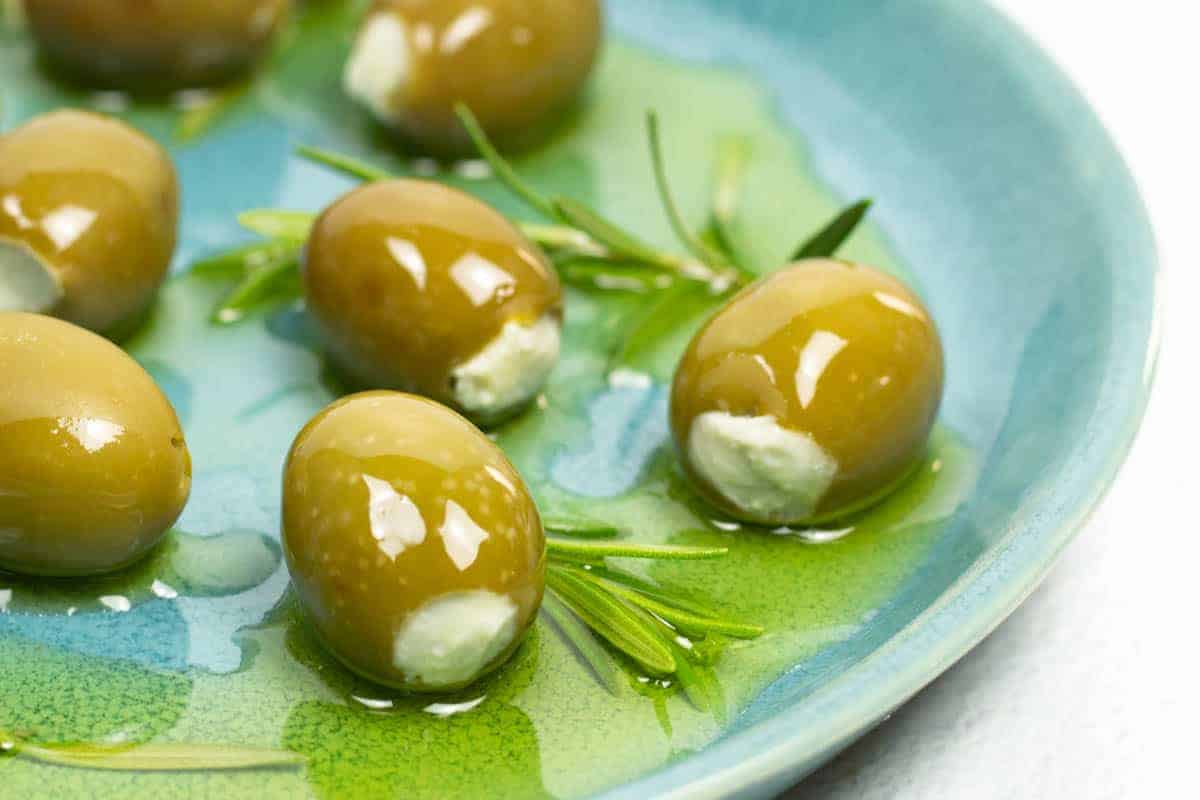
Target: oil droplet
point(444, 710)
point(163, 590)
point(116, 602)
point(372, 703)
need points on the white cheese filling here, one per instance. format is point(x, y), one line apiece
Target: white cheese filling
point(379, 64)
point(26, 284)
point(510, 370)
point(450, 639)
point(772, 474)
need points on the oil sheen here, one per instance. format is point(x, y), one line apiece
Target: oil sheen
point(222, 655)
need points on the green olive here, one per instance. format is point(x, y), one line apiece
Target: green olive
point(93, 466)
point(513, 62)
point(88, 214)
point(413, 544)
point(810, 395)
point(154, 44)
point(423, 288)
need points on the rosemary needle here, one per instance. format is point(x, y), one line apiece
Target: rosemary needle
point(575, 631)
point(706, 254)
point(661, 552)
point(155, 757)
point(348, 165)
point(274, 223)
point(827, 241)
point(613, 620)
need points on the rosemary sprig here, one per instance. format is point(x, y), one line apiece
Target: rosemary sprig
point(169, 757)
point(657, 630)
point(685, 620)
point(613, 620)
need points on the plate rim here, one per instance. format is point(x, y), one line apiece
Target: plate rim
point(782, 749)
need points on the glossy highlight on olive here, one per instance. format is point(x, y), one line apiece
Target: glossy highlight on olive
point(515, 63)
point(420, 287)
point(89, 209)
point(414, 546)
point(810, 395)
point(94, 469)
point(154, 45)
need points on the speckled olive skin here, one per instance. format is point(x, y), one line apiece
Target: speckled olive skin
point(391, 328)
point(524, 60)
point(98, 203)
point(356, 593)
point(871, 407)
point(154, 44)
point(93, 465)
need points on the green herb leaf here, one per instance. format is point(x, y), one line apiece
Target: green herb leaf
point(275, 281)
point(657, 552)
point(691, 676)
point(234, 263)
point(687, 621)
point(503, 171)
point(276, 223)
point(698, 248)
point(654, 591)
point(348, 165)
point(611, 276)
point(827, 241)
point(670, 316)
point(576, 632)
point(197, 119)
point(614, 621)
point(733, 154)
point(159, 757)
point(699, 683)
point(579, 527)
point(562, 237)
point(620, 242)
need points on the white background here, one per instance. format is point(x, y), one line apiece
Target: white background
point(1091, 689)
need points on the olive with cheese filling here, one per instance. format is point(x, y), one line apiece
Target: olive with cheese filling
point(513, 62)
point(89, 209)
point(423, 288)
point(810, 395)
point(415, 548)
point(154, 44)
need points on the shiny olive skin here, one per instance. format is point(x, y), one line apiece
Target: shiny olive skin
point(94, 469)
point(515, 63)
point(841, 352)
point(376, 458)
point(98, 203)
point(154, 45)
point(408, 279)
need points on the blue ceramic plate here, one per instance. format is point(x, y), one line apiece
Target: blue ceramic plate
point(998, 195)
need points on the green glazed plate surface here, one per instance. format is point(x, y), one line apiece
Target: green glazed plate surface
point(998, 195)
